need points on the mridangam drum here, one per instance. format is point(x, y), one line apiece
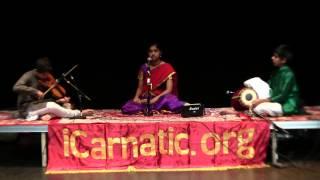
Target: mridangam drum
point(243, 98)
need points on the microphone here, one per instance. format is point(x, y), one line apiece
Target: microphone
point(229, 92)
point(149, 62)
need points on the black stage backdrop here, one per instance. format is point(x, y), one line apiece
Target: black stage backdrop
point(211, 53)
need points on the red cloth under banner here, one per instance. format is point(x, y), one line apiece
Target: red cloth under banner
point(156, 145)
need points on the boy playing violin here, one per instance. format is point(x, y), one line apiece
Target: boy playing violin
point(34, 103)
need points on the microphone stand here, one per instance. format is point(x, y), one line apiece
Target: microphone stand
point(79, 92)
point(148, 109)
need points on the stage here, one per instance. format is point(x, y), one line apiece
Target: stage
point(8, 124)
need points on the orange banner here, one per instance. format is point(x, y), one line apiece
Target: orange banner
point(158, 145)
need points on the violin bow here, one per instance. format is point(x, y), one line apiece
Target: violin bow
point(59, 79)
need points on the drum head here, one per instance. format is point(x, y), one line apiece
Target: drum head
point(247, 96)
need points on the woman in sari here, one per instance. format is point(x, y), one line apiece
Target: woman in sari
point(162, 86)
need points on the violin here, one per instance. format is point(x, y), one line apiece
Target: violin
point(48, 82)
